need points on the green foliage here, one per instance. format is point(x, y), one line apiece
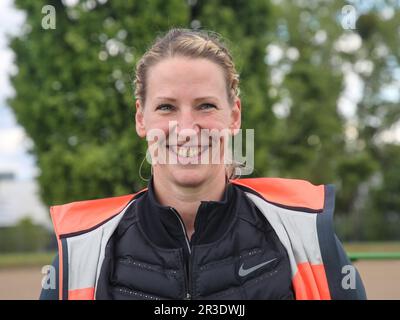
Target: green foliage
point(24, 260)
point(383, 218)
point(74, 95)
point(24, 237)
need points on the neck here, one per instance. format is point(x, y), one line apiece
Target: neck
point(186, 200)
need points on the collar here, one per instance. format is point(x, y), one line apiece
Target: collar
point(164, 228)
point(157, 207)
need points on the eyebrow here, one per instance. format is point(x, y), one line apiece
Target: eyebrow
point(197, 99)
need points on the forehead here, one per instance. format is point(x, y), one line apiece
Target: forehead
point(181, 76)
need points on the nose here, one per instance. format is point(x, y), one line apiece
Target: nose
point(187, 126)
point(187, 120)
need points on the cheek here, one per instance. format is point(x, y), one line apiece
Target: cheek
point(156, 132)
point(154, 122)
point(219, 121)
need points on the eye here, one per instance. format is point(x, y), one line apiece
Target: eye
point(165, 107)
point(206, 106)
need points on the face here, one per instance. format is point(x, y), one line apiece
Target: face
point(187, 101)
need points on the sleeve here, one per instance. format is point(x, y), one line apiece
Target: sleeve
point(51, 293)
point(343, 278)
point(356, 291)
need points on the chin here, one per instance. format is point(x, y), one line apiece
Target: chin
point(191, 176)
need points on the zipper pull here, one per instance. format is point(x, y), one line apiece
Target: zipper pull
point(188, 297)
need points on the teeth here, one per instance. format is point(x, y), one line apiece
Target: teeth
point(193, 152)
point(188, 152)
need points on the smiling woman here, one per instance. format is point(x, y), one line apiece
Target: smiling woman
point(195, 232)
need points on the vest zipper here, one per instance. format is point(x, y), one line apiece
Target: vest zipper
point(188, 295)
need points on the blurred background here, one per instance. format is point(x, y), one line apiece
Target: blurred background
point(320, 85)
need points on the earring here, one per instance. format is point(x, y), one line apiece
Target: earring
point(148, 157)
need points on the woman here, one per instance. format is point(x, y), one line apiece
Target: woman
point(196, 233)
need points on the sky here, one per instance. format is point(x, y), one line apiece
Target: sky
point(13, 141)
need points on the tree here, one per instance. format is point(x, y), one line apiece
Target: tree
point(74, 92)
point(375, 157)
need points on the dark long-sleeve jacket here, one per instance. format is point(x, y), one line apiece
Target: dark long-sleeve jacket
point(242, 248)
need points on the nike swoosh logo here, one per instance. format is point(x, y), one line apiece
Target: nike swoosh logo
point(245, 272)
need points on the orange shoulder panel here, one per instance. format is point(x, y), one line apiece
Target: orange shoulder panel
point(287, 192)
point(84, 215)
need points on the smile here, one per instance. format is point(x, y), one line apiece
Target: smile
point(188, 151)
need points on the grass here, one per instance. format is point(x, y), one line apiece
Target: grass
point(17, 260)
point(373, 251)
point(372, 247)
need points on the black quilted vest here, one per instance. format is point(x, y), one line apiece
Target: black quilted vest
point(233, 254)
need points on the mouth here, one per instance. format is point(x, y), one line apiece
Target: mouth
point(188, 151)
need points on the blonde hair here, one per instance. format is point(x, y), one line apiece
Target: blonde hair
point(191, 44)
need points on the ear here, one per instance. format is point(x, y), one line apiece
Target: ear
point(139, 119)
point(236, 116)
